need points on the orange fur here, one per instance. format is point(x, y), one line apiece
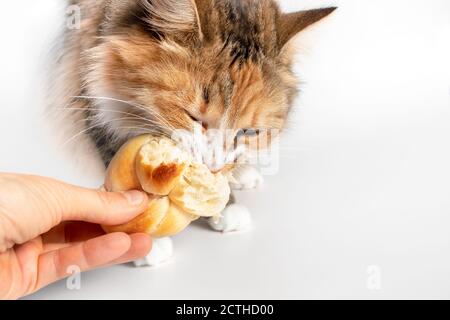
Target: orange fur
point(224, 63)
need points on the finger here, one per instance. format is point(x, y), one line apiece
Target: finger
point(77, 232)
point(102, 207)
point(70, 233)
point(141, 244)
point(53, 266)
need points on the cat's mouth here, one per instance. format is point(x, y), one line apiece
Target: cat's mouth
point(217, 149)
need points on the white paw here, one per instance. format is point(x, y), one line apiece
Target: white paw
point(234, 218)
point(162, 251)
point(245, 177)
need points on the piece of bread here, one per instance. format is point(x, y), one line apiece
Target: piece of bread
point(180, 190)
point(160, 166)
point(200, 192)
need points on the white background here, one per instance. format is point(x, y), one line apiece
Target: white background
point(365, 167)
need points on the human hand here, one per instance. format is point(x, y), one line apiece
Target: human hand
point(40, 240)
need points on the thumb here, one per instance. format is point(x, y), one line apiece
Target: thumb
point(101, 207)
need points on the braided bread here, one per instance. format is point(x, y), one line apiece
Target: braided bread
point(180, 190)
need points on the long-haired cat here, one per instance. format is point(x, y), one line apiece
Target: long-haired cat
point(140, 66)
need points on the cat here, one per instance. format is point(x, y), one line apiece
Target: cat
point(155, 66)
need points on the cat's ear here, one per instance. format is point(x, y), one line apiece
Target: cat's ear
point(291, 24)
point(173, 16)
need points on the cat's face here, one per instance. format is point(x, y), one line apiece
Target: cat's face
point(224, 64)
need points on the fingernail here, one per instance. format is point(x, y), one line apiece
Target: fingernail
point(135, 198)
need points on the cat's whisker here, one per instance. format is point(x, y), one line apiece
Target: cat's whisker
point(134, 116)
point(93, 127)
point(111, 99)
point(93, 118)
point(145, 130)
point(132, 104)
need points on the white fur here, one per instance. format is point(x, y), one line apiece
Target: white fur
point(162, 251)
point(234, 218)
point(246, 177)
point(214, 147)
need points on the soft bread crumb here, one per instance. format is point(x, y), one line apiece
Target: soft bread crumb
point(201, 192)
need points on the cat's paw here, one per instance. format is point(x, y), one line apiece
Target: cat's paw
point(162, 251)
point(234, 218)
point(246, 177)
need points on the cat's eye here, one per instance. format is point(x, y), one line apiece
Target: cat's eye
point(192, 117)
point(195, 119)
